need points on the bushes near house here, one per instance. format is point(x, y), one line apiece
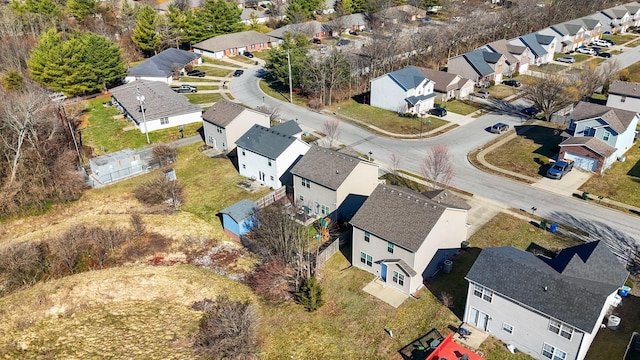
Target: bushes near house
point(310, 295)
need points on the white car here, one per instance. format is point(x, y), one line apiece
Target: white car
point(587, 51)
point(601, 43)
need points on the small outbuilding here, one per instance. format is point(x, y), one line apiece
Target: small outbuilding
point(238, 219)
point(113, 167)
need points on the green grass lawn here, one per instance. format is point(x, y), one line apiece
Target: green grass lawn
point(208, 87)
point(634, 72)
point(280, 91)
point(549, 68)
point(520, 154)
point(188, 79)
point(502, 91)
point(203, 98)
point(462, 107)
point(621, 182)
point(385, 119)
point(208, 60)
point(633, 43)
point(244, 59)
point(214, 71)
point(620, 39)
point(106, 135)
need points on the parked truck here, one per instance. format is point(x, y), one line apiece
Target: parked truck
point(559, 169)
point(184, 88)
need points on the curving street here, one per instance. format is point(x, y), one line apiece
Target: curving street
point(600, 222)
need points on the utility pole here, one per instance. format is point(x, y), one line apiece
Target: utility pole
point(140, 99)
point(290, 79)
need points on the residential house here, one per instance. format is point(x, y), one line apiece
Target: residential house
point(547, 308)
point(404, 91)
point(164, 66)
point(448, 86)
point(164, 6)
point(481, 66)
point(597, 136)
point(592, 28)
point(327, 182)
point(226, 121)
point(348, 23)
point(115, 166)
point(541, 47)
point(614, 20)
point(624, 95)
point(569, 36)
point(239, 218)
point(152, 105)
point(517, 56)
point(634, 13)
point(313, 30)
point(267, 154)
point(403, 237)
point(400, 14)
point(250, 16)
point(227, 45)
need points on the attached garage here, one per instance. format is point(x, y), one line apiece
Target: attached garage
point(582, 162)
point(589, 153)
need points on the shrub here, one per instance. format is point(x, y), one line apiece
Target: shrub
point(23, 264)
point(273, 281)
point(310, 295)
point(158, 190)
point(164, 154)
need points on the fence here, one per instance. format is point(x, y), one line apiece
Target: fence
point(271, 197)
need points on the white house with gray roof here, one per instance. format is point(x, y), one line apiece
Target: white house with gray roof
point(615, 20)
point(267, 154)
point(403, 237)
point(163, 107)
point(549, 308)
point(569, 36)
point(404, 91)
point(327, 182)
point(160, 67)
point(624, 95)
point(541, 47)
point(225, 121)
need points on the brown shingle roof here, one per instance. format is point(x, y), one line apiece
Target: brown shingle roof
point(596, 145)
point(444, 81)
point(234, 40)
point(325, 167)
point(618, 119)
point(625, 88)
point(447, 198)
point(223, 112)
point(399, 215)
point(403, 265)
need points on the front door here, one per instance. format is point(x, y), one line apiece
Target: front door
point(383, 271)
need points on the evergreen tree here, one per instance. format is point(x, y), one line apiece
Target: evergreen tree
point(217, 17)
point(310, 295)
point(48, 8)
point(81, 8)
point(145, 35)
point(277, 65)
point(303, 10)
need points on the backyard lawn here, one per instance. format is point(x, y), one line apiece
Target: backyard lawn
point(462, 107)
point(548, 68)
point(203, 98)
point(621, 182)
point(244, 59)
point(385, 119)
point(634, 72)
point(528, 151)
point(502, 91)
point(214, 71)
point(620, 39)
point(105, 134)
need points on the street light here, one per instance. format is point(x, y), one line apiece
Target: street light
point(140, 99)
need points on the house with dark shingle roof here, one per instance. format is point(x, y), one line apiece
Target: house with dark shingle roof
point(225, 121)
point(592, 28)
point(239, 218)
point(569, 36)
point(404, 91)
point(403, 237)
point(313, 29)
point(541, 47)
point(615, 20)
point(160, 67)
point(267, 154)
point(232, 44)
point(163, 107)
point(517, 56)
point(597, 136)
point(480, 65)
point(331, 183)
point(547, 308)
point(447, 85)
point(624, 95)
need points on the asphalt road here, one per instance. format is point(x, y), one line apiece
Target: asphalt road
point(600, 222)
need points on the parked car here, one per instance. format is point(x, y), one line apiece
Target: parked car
point(248, 54)
point(585, 50)
point(611, 42)
point(184, 88)
point(438, 112)
point(196, 73)
point(559, 169)
point(604, 54)
point(499, 128)
point(601, 43)
point(514, 83)
point(343, 42)
point(238, 72)
point(482, 93)
point(596, 49)
point(567, 59)
point(317, 40)
point(530, 111)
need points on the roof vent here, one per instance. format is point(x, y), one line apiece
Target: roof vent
point(337, 171)
point(545, 288)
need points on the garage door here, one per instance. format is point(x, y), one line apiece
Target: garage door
point(582, 162)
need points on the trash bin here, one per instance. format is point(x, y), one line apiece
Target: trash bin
point(553, 228)
point(585, 195)
point(448, 266)
point(624, 291)
point(464, 244)
point(543, 224)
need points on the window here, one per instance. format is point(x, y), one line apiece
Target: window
point(301, 198)
point(586, 131)
point(272, 178)
point(305, 182)
point(553, 353)
point(317, 207)
point(390, 247)
point(606, 135)
point(623, 99)
point(483, 293)
point(325, 210)
point(210, 139)
point(219, 129)
point(367, 236)
point(269, 162)
point(243, 154)
point(164, 121)
point(244, 166)
point(507, 328)
point(398, 278)
point(366, 259)
point(561, 329)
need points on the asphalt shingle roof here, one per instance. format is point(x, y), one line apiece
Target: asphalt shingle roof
point(240, 211)
point(566, 288)
point(290, 128)
point(597, 145)
point(309, 28)
point(408, 78)
point(534, 42)
point(223, 112)
point(234, 40)
point(444, 81)
point(399, 215)
point(588, 23)
point(447, 198)
point(160, 64)
point(478, 60)
point(416, 99)
point(618, 119)
point(264, 141)
point(625, 88)
point(325, 167)
point(159, 100)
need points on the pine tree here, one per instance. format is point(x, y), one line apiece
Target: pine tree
point(216, 17)
point(48, 8)
point(145, 35)
point(277, 64)
point(81, 8)
point(310, 295)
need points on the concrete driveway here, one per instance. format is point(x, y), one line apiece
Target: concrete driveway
point(566, 186)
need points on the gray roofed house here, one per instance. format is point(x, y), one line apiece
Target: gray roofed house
point(397, 223)
point(542, 47)
point(225, 121)
point(560, 302)
point(290, 128)
point(404, 90)
point(233, 44)
point(160, 67)
point(163, 108)
point(448, 84)
point(480, 65)
point(624, 95)
point(517, 56)
point(313, 29)
point(349, 23)
point(265, 141)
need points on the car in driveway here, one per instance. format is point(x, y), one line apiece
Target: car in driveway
point(530, 111)
point(440, 112)
point(248, 54)
point(559, 169)
point(604, 54)
point(566, 59)
point(343, 42)
point(601, 43)
point(482, 93)
point(587, 51)
point(611, 42)
point(238, 72)
point(196, 73)
point(514, 83)
point(499, 128)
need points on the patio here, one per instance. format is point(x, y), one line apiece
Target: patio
point(385, 293)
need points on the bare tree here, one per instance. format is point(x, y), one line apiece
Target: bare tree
point(23, 264)
point(550, 93)
point(277, 237)
point(137, 224)
point(164, 154)
point(395, 159)
point(159, 190)
point(437, 166)
point(273, 112)
point(331, 128)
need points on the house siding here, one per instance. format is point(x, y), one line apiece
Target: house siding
point(155, 124)
point(588, 337)
point(362, 181)
point(387, 94)
point(225, 141)
point(315, 193)
point(459, 65)
point(253, 165)
point(629, 103)
point(165, 79)
point(530, 328)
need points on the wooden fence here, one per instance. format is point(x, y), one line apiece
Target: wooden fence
point(271, 197)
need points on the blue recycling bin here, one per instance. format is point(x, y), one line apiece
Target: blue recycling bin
point(553, 228)
point(624, 291)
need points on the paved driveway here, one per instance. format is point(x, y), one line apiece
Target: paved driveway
point(568, 185)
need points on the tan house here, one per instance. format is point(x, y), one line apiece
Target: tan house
point(517, 57)
point(447, 85)
point(480, 65)
point(226, 121)
point(331, 183)
point(404, 237)
point(226, 45)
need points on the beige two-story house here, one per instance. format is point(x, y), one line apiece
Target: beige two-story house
point(226, 121)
